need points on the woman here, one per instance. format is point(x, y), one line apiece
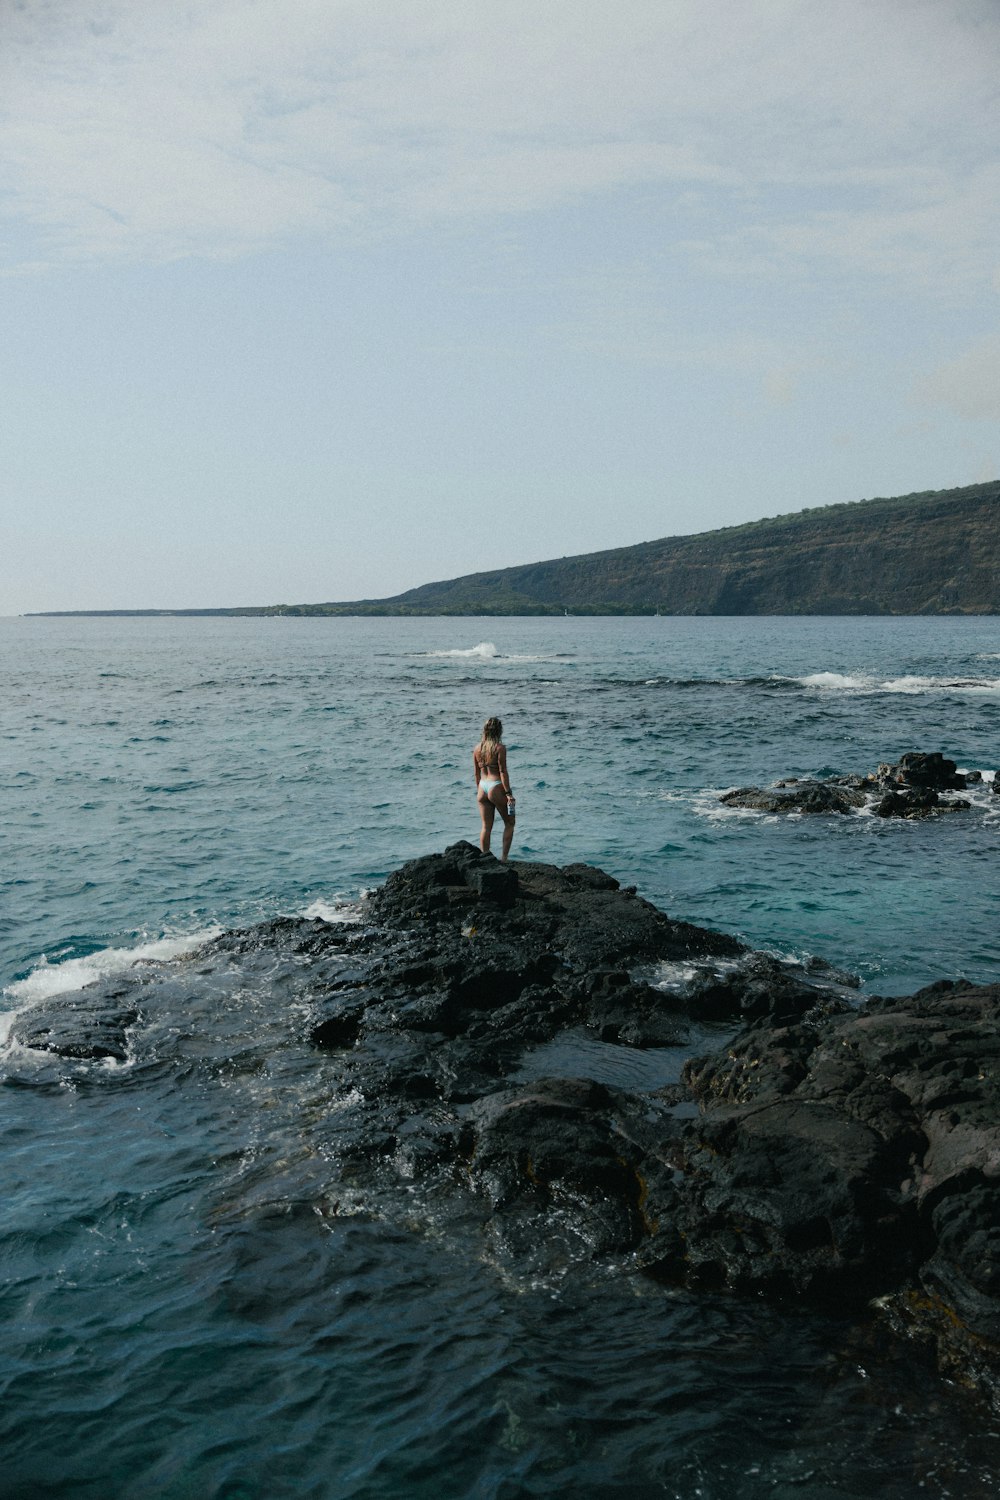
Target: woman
point(493, 791)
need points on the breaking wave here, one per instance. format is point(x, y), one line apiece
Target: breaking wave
point(70, 974)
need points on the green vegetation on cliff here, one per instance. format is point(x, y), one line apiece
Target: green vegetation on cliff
point(930, 553)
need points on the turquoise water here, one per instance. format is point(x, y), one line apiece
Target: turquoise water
point(184, 1317)
point(162, 776)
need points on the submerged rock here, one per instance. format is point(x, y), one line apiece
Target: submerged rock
point(92, 1024)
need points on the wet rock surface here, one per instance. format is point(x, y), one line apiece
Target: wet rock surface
point(796, 796)
point(546, 1056)
point(858, 1154)
point(908, 788)
point(93, 1024)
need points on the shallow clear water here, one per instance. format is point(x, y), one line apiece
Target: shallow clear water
point(185, 1315)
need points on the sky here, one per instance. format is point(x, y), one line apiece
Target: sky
point(310, 300)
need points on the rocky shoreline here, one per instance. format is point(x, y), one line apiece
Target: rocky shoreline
point(487, 1022)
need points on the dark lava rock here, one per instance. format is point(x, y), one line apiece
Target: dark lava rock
point(918, 770)
point(799, 796)
point(91, 1024)
point(910, 787)
point(555, 1144)
point(918, 803)
point(907, 788)
point(839, 1153)
point(576, 911)
point(858, 1154)
point(492, 1038)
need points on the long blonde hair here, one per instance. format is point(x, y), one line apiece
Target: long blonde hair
point(489, 745)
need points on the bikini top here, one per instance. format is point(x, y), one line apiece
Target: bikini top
point(490, 768)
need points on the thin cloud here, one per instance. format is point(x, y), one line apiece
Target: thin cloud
point(856, 134)
point(968, 385)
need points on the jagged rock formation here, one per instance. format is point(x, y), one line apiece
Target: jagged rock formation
point(859, 1155)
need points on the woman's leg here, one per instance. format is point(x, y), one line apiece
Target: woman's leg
point(498, 797)
point(486, 813)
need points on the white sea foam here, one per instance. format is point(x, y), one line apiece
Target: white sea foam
point(836, 680)
point(708, 804)
point(485, 651)
point(982, 796)
point(911, 684)
point(74, 973)
point(488, 651)
point(336, 910)
point(675, 977)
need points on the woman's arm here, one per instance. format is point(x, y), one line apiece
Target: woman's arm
point(476, 765)
point(502, 766)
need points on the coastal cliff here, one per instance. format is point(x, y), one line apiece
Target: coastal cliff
point(924, 554)
point(933, 553)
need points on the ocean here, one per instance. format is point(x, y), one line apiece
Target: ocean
point(184, 1316)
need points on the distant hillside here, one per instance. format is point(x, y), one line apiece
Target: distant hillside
point(930, 553)
point(924, 554)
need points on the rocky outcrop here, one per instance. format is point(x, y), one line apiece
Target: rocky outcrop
point(544, 1053)
point(837, 1153)
point(933, 772)
point(912, 787)
point(858, 1155)
point(907, 788)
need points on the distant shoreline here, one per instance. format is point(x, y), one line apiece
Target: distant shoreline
point(542, 612)
point(932, 553)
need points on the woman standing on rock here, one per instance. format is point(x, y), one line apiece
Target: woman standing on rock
point(493, 791)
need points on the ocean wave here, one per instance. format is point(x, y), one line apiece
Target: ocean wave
point(75, 973)
point(488, 651)
point(912, 684)
point(983, 798)
point(485, 651)
point(834, 680)
point(695, 682)
point(677, 976)
point(825, 682)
